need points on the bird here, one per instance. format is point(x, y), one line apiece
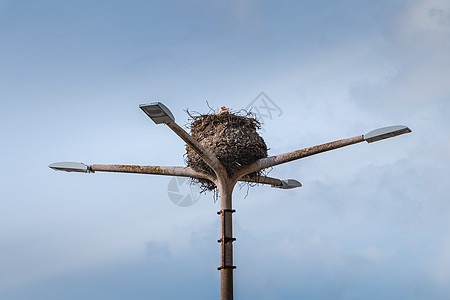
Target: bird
point(223, 110)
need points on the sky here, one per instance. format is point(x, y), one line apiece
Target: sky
point(372, 221)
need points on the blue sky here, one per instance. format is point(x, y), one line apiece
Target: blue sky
point(370, 222)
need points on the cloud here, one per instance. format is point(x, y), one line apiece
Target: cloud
point(422, 18)
point(440, 264)
point(369, 216)
point(157, 250)
point(416, 47)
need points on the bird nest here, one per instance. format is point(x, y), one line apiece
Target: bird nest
point(232, 137)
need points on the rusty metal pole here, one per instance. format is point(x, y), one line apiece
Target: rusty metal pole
point(161, 114)
point(226, 217)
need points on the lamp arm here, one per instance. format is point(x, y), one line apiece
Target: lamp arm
point(204, 153)
point(271, 161)
point(262, 179)
point(175, 171)
point(156, 170)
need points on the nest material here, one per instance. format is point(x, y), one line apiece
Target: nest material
point(232, 137)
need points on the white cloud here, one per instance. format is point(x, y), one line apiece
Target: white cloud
point(420, 40)
point(361, 210)
point(440, 264)
point(424, 17)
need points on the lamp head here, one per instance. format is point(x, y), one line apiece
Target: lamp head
point(385, 133)
point(71, 167)
point(158, 112)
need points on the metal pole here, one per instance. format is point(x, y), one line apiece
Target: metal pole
point(221, 179)
point(226, 218)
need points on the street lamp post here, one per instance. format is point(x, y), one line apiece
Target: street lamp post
point(160, 114)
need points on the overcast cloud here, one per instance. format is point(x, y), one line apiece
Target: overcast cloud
point(370, 222)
